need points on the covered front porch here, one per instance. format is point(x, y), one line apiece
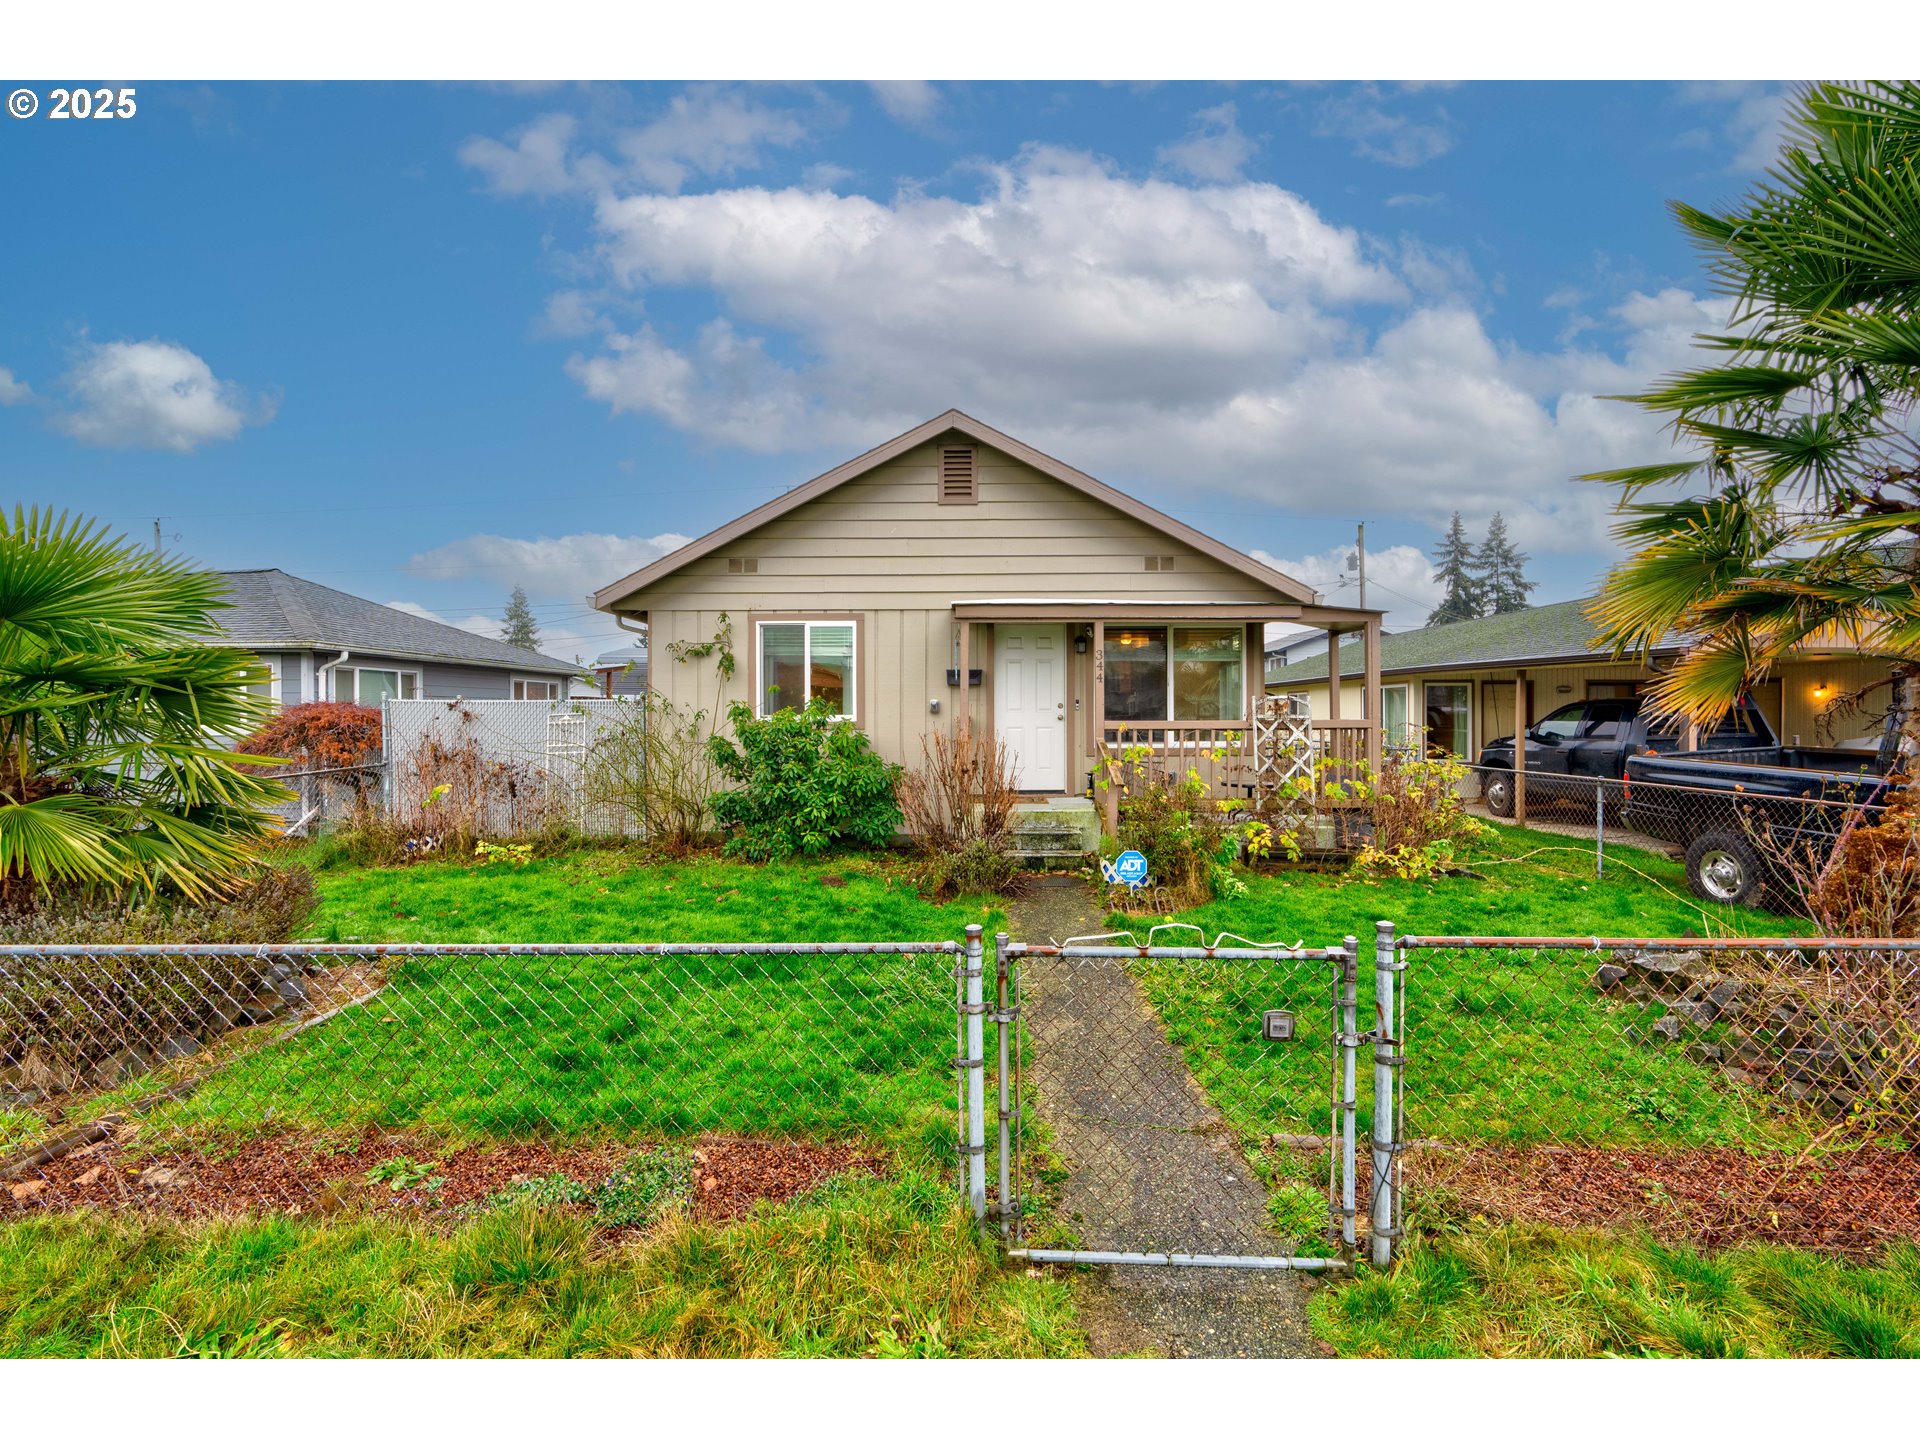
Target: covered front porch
point(1092, 697)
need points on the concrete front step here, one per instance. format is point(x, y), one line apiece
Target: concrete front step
point(1052, 829)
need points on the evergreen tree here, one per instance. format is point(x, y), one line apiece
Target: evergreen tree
point(520, 627)
point(1500, 572)
point(1456, 572)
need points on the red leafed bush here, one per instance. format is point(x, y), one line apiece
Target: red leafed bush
point(323, 735)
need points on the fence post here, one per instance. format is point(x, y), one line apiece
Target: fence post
point(1386, 1062)
point(973, 1066)
point(1599, 828)
point(1349, 1097)
point(1003, 1016)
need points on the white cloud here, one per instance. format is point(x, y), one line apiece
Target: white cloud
point(1221, 337)
point(824, 176)
point(569, 566)
point(13, 391)
point(1365, 117)
point(534, 164)
point(1214, 149)
point(704, 130)
point(1399, 581)
point(153, 395)
point(912, 102)
point(1438, 197)
point(1755, 120)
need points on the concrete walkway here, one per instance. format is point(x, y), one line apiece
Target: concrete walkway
point(1151, 1165)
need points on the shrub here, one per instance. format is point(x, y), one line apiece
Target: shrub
point(654, 766)
point(1416, 820)
point(1188, 840)
point(958, 807)
point(806, 782)
point(449, 795)
point(327, 734)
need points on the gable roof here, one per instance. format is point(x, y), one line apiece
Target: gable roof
point(1532, 636)
point(272, 610)
point(952, 420)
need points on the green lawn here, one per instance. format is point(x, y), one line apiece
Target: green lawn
point(868, 1268)
point(574, 1046)
point(1533, 1291)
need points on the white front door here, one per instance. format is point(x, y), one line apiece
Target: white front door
point(1029, 703)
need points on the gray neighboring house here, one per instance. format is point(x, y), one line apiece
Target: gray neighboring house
point(324, 644)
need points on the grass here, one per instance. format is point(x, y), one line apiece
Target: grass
point(571, 1047)
point(1504, 1047)
point(860, 1268)
point(1534, 1291)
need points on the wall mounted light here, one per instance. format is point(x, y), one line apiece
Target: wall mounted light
point(1820, 690)
point(1080, 642)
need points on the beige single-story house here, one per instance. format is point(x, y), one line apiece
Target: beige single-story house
point(955, 576)
point(1453, 686)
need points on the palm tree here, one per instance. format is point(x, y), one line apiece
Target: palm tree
point(114, 702)
point(1809, 526)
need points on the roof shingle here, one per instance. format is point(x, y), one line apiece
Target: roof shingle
point(272, 610)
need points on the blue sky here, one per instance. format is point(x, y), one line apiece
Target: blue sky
point(426, 341)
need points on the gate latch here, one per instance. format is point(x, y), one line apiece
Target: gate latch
point(1276, 1025)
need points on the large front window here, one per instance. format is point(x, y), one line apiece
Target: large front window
point(1176, 672)
point(806, 660)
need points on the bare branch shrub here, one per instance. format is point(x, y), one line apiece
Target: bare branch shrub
point(958, 808)
point(654, 767)
point(1842, 1027)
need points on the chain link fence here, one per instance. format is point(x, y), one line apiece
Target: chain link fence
point(1743, 842)
point(1209, 1104)
point(1709, 1090)
point(444, 1079)
point(1191, 1105)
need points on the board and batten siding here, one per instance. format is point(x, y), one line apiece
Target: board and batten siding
point(881, 547)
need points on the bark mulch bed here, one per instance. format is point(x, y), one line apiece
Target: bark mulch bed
point(302, 1175)
point(1854, 1201)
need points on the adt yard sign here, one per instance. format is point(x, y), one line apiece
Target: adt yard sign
point(1129, 870)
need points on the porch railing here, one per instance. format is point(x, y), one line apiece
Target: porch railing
point(1135, 754)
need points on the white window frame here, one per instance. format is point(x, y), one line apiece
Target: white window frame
point(809, 624)
point(520, 682)
point(353, 687)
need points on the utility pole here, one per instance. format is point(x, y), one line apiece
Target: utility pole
point(156, 536)
point(1358, 561)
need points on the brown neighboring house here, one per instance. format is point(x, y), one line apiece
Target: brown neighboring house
point(1080, 618)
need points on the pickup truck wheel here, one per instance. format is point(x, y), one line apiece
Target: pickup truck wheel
point(1498, 793)
point(1722, 867)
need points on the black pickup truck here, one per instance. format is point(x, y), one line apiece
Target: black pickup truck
point(1739, 812)
point(1571, 752)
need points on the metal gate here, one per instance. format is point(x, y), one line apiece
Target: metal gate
point(1173, 1105)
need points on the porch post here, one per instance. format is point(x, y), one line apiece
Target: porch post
point(1333, 673)
point(1375, 716)
point(1111, 796)
point(963, 707)
point(1519, 747)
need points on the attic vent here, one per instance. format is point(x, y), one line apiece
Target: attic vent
point(959, 479)
point(736, 566)
point(1159, 562)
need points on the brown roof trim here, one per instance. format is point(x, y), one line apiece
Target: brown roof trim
point(1082, 610)
point(607, 597)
